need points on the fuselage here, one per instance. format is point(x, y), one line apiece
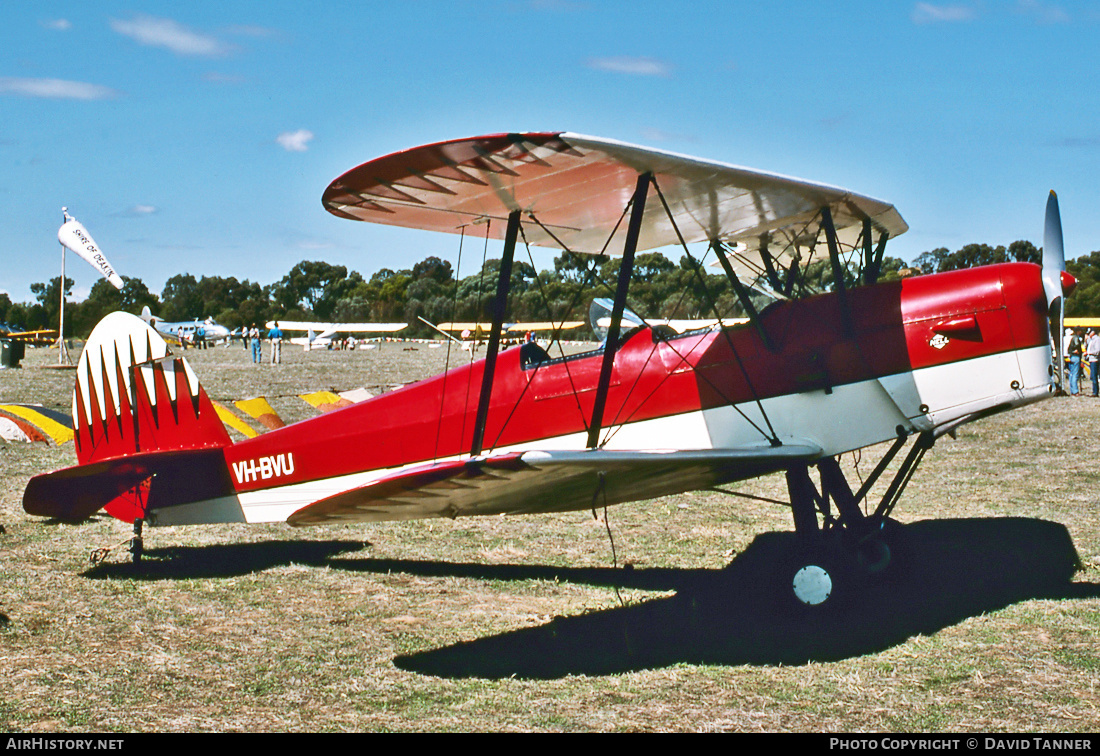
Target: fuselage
point(841, 372)
point(188, 329)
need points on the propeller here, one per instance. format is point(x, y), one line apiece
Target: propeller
point(1056, 282)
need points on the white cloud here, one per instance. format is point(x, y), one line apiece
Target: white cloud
point(295, 141)
point(927, 13)
point(56, 89)
point(629, 65)
point(137, 211)
point(58, 24)
point(1042, 12)
point(171, 35)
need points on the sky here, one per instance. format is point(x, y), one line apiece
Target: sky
point(198, 137)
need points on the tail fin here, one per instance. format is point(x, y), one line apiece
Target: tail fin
point(132, 395)
point(146, 433)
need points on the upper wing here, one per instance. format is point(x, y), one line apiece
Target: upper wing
point(327, 329)
point(541, 481)
point(577, 187)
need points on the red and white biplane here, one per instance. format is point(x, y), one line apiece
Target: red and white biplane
point(651, 412)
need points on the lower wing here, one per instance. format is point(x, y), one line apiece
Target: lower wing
point(546, 481)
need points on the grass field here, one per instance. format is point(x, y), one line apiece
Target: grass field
point(987, 621)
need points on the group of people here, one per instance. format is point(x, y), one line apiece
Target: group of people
point(194, 339)
point(1082, 348)
point(253, 339)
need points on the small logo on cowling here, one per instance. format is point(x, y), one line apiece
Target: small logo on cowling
point(939, 341)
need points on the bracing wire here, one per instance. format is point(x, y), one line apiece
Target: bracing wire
point(447, 363)
point(480, 280)
point(601, 490)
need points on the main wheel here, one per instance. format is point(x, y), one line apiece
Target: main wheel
point(812, 585)
point(873, 555)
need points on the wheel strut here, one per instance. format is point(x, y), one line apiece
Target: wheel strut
point(859, 543)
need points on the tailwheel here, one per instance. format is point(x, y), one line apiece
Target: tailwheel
point(137, 546)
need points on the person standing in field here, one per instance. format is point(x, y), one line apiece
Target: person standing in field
point(254, 336)
point(1074, 347)
point(276, 336)
point(1092, 355)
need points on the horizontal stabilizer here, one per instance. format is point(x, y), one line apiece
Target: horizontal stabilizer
point(78, 492)
point(541, 481)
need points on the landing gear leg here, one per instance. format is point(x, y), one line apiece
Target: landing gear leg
point(849, 545)
point(814, 578)
point(136, 546)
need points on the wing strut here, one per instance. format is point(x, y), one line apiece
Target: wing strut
point(838, 270)
point(872, 261)
point(625, 270)
point(742, 296)
point(500, 303)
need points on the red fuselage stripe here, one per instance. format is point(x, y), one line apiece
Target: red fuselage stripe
point(894, 330)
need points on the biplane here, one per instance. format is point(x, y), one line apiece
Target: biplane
point(651, 412)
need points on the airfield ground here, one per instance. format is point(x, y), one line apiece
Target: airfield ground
point(530, 623)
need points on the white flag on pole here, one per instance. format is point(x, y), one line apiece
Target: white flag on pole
point(76, 238)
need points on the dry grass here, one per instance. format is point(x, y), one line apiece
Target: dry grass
point(525, 624)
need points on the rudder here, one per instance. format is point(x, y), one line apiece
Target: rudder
point(133, 396)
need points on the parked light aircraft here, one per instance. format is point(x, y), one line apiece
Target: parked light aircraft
point(481, 330)
point(599, 314)
point(475, 334)
point(184, 330)
point(319, 334)
point(40, 337)
point(650, 413)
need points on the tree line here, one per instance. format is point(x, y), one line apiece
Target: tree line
point(316, 290)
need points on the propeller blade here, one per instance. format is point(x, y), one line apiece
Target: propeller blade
point(1054, 255)
point(1054, 266)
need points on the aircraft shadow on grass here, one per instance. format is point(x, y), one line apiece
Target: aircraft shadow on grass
point(943, 572)
point(224, 560)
